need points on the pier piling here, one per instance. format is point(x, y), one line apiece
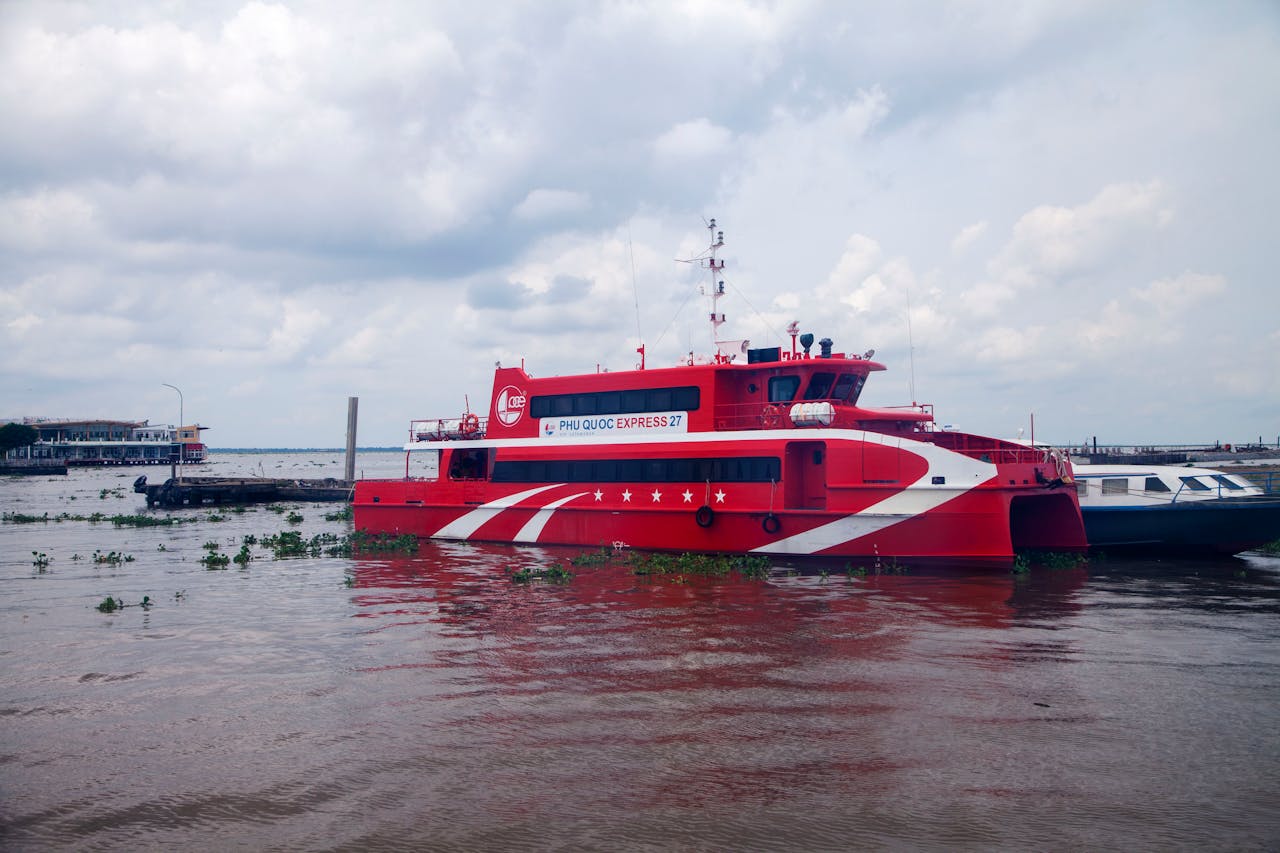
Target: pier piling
point(353, 403)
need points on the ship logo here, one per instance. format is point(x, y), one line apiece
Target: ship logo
point(510, 405)
point(548, 428)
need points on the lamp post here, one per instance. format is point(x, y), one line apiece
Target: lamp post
point(181, 444)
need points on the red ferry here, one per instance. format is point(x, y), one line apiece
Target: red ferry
point(769, 455)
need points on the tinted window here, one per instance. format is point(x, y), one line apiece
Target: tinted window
point(686, 398)
point(1155, 484)
point(640, 400)
point(819, 386)
point(752, 469)
point(782, 389)
point(844, 385)
point(1115, 486)
point(1228, 483)
point(1194, 484)
point(659, 400)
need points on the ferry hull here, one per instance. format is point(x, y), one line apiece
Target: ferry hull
point(973, 527)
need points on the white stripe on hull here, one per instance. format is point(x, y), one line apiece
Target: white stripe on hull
point(464, 526)
point(533, 527)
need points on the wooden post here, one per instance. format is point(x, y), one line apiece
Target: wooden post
point(353, 403)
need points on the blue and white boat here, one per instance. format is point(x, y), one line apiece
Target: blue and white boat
point(1174, 509)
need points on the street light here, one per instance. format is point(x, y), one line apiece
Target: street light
point(181, 444)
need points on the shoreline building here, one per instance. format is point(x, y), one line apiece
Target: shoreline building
point(111, 442)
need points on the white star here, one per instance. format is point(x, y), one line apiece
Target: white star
point(599, 494)
point(657, 496)
point(688, 496)
point(719, 496)
point(626, 496)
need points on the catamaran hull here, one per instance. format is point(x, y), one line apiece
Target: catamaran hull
point(980, 526)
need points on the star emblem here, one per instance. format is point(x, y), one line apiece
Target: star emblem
point(688, 496)
point(657, 496)
point(719, 496)
point(599, 494)
point(626, 496)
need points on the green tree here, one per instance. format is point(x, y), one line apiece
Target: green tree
point(16, 435)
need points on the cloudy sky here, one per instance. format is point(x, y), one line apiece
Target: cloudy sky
point(1067, 209)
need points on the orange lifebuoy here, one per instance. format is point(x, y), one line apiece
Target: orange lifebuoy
point(470, 422)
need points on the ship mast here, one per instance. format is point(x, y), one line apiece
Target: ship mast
point(715, 268)
point(724, 351)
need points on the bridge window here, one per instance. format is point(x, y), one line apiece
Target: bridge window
point(846, 383)
point(819, 386)
point(1155, 484)
point(1194, 484)
point(782, 389)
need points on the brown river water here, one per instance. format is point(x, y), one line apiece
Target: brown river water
point(427, 702)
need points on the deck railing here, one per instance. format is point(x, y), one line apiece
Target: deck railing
point(465, 428)
point(990, 449)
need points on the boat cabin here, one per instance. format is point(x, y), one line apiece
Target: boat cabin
point(1116, 485)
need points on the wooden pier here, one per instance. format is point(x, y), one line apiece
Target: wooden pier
point(198, 491)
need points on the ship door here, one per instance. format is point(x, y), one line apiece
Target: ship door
point(470, 467)
point(804, 477)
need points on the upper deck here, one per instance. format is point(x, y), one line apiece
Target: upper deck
point(772, 390)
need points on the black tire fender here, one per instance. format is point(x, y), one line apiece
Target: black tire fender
point(771, 524)
point(705, 515)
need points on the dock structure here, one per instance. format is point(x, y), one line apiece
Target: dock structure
point(32, 467)
point(199, 491)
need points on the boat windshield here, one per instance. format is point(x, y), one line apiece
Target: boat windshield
point(1194, 484)
point(1228, 483)
point(847, 387)
point(819, 386)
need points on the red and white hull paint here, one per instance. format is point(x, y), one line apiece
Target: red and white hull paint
point(949, 507)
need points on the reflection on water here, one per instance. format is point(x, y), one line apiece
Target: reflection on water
point(428, 701)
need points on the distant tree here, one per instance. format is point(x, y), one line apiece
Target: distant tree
point(16, 435)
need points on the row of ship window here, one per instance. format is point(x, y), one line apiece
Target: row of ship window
point(1120, 485)
point(843, 388)
point(748, 469)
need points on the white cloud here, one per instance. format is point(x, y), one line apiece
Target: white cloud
point(546, 203)
point(968, 236)
point(47, 220)
point(691, 140)
point(1054, 242)
point(1170, 295)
